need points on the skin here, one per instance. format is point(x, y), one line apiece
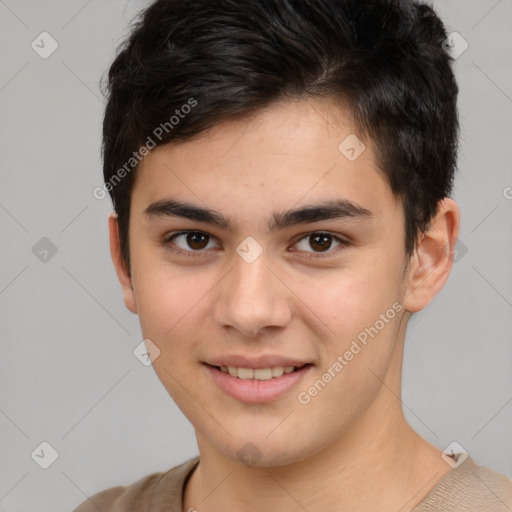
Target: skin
point(350, 448)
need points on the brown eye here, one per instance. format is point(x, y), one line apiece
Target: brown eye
point(320, 243)
point(187, 242)
point(197, 241)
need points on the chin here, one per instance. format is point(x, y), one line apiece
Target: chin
point(260, 451)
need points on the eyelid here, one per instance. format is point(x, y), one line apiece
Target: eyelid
point(329, 253)
point(167, 240)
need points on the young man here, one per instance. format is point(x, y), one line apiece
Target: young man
point(280, 172)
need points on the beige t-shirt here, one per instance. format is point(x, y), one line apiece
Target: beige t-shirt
point(465, 488)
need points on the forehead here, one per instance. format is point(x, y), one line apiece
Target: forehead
point(282, 155)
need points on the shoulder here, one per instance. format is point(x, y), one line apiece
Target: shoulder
point(469, 488)
point(148, 492)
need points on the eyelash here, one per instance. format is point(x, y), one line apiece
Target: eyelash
point(166, 242)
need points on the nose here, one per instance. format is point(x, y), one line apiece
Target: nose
point(252, 297)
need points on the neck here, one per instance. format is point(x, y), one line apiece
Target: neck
point(391, 468)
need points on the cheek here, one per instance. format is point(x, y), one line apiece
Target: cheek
point(166, 297)
point(360, 310)
point(347, 300)
point(172, 306)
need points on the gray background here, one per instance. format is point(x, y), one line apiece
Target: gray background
point(68, 375)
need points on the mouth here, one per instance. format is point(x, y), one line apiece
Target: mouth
point(268, 373)
point(257, 385)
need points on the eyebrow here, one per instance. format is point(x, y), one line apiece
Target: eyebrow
point(322, 210)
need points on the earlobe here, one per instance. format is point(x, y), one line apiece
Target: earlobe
point(432, 261)
point(122, 272)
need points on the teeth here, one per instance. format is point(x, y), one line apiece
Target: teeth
point(262, 373)
point(245, 373)
point(277, 371)
point(257, 374)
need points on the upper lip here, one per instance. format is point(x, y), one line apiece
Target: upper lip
point(264, 361)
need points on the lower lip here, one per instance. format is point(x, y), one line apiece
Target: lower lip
point(257, 391)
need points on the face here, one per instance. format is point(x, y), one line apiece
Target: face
point(262, 267)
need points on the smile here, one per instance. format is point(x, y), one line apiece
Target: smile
point(258, 373)
point(257, 385)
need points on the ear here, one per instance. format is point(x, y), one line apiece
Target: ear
point(431, 263)
point(122, 273)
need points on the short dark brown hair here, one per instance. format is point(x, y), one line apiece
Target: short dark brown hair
point(189, 65)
